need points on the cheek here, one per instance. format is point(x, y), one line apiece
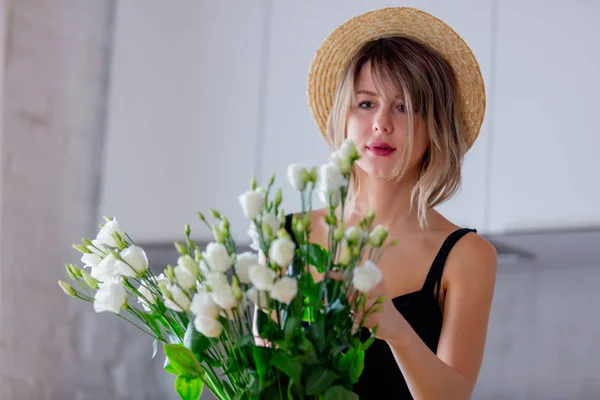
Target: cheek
point(357, 128)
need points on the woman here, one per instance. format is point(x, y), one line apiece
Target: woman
point(408, 91)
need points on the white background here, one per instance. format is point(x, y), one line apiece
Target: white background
point(205, 94)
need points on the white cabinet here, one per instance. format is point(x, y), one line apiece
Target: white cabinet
point(183, 114)
point(545, 163)
point(297, 30)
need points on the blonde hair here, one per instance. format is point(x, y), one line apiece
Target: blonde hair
point(430, 91)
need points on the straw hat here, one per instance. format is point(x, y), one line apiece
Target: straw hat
point(341, 45)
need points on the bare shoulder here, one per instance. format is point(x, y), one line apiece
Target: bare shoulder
point(472, 261)
point(317, 218)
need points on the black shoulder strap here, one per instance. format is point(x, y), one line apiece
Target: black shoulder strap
point(434, 277)
point(288, 227)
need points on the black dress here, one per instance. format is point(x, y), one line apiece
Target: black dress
point(381, 377)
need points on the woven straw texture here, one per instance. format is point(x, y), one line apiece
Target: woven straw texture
point(339, 47)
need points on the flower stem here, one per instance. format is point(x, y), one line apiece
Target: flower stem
point(140, 328)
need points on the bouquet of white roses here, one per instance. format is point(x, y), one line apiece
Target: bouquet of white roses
point(250, 327)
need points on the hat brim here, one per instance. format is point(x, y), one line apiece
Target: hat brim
point(341, 45)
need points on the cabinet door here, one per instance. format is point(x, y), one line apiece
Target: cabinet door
point(545, 166)
point(297, 30)
point(182, 115)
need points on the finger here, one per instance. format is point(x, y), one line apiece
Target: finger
point(336, 275)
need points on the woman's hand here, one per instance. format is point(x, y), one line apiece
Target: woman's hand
point(383, 315)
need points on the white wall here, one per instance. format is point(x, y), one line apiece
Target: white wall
point(545, 104)
point(184, 108)
point(206, 94)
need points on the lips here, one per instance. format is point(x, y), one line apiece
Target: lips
point(380, 145)
point(379, 148)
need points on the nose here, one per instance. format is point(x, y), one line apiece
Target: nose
point(382, 122)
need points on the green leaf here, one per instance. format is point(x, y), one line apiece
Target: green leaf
point(317, 334)
point(309, 354)
point(183, 360)
point(353, 362)
point(242, 341)
point(309, 314)
point(169, 368)
point(318, 256)
point(292, 322)
point(319, 380)
point(194, 340)
point(151, 323)
point(188, 388)
point(233, 367)
point(240, 395)
point(340, 393)
point(309, 289)
point(290, 395)
point(173, 338)
point(305, 282)
point(267, 328)
point(261, 357)
point(291, 366)
point(211, 361)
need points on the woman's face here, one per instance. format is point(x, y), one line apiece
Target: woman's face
point(378, 124)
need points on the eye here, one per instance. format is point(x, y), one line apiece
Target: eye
point(365, 104)
point(402, 108)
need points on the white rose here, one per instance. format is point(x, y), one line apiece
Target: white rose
point(204, 269)
point(348, 150)
point(217, 257)
point(180, 302)
point(329, 198)
point(344, 156)
point(252, 202)
point(207, 326)
point(366, 277)
point(254, 237)
point(110, 296)
point(282, 251)
point(295, 174)
point(135, 261)
point(285, 290)
point(352, 234)
point(146, 297)
point(223, 296)
point(203, 304)
point(107, 269)
point(331, 178)
point(187, 262)
point(272, 221)
point(215, 279)
point(261, 276)
point(356, 235)
point(184, 278)
point(106, 232)
point(161, 278)
point(243, 263)
point(91, 259)
point(258, 297)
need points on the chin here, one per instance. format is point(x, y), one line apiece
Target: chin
point(377, 169)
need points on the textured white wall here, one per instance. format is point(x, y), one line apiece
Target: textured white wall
point(55, 81)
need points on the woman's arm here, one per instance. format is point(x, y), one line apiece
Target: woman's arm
point(470, 273)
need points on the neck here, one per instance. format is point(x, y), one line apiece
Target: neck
point(390, 201)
